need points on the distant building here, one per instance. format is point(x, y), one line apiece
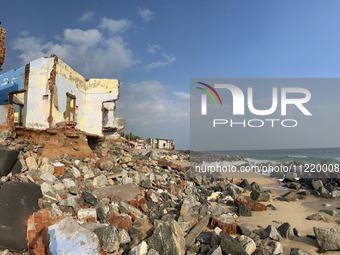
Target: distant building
point(46, 93)
point(166, 144)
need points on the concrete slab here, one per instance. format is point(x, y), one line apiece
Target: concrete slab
point(126, 192)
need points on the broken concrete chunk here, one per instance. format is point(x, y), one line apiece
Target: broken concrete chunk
point(68, 183)
point(47, 177)
point(31, 163)
point(67, 237)
point(84, 214)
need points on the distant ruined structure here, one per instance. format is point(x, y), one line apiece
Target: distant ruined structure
point(2, 46)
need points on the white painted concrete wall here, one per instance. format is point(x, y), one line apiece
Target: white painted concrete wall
point(38, 107)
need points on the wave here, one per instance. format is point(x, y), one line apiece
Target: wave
point(258, 161)
point(298, 156)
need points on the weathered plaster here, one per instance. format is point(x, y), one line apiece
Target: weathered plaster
point(37, 107)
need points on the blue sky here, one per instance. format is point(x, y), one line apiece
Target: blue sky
point(155, 47)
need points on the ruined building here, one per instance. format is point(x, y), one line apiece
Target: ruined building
point(2, 46)
point(51, 105)
point(47, 93)
point(166, 144)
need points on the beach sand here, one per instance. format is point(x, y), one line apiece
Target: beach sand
point(294, 213)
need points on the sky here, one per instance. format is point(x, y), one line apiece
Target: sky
point(155, 47)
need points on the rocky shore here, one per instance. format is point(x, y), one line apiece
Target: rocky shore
point(147, 202)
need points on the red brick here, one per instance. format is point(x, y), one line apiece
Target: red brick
point(229, 227)
point(39, 227)
point(92, 219)
point(250, 203)
point(59, 170)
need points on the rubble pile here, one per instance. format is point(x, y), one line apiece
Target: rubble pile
point(136, 202)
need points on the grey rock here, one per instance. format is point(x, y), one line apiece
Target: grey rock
point(70, 201)
point(247, 243)
point(124, 236)
point(231, 246)
point(243, 230)
point(256, 186)
point(317, 184)
point(89, 198)
point(168, 239)
point(48, 177)
point(204, 237)
point(244, 210)
point(317, 217)
point(196, 230)
point(296, 232)
point(286, 231)
point(109, 238)
point(328, 238)
point(216, 250)
point(273, 233)
point(330, 212)
point(152, 252)
point(260, 196)
point(218, 208)
point(277, 248)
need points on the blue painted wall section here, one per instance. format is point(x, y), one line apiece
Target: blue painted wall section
point(11, 81)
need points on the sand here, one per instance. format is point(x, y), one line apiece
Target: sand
point(293, 212)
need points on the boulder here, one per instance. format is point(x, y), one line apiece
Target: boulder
point(259, 196)
point(317, 184)
point(167, 239)
point(247, 243)
point(289, 196)
point(196, 230)
point(273, 233)
point(244, 210)
point(109, 238)
point(18, 201)
point(328, 238)
point(317, 217)
point(7, 160)
point(286, 231)
point(231, 246)
point(276, 248)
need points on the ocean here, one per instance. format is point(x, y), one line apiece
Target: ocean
point(332, 155)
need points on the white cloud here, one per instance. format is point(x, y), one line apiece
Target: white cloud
point(168, 61)
point(152, 48)
point(149, 112)
point(87, 16)
point(115, 26)
point(91, 53)
point(146, 103)
point(25, 33)
point(182, 95)
point(145, 14)
point(82, 38)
